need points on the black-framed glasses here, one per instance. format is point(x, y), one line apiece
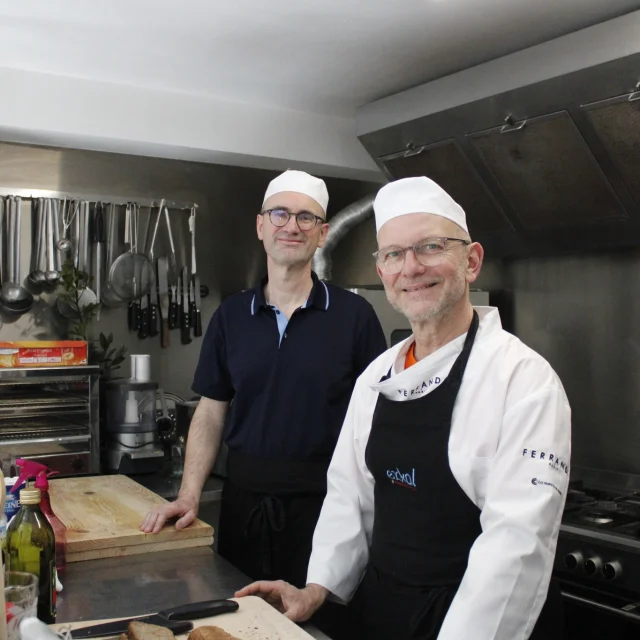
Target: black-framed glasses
point(304, 219)
point(428, 252)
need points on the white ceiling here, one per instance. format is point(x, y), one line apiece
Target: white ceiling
point(320, 56)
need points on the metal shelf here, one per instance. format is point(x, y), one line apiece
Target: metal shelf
point(45, 372)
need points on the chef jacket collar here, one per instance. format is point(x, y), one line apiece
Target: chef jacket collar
point(397, 374)
point(318, 298)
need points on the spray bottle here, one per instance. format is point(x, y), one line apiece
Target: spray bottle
point(30, 469)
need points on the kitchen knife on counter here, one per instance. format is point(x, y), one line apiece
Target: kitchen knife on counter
point(170, 618)
point(185, 324)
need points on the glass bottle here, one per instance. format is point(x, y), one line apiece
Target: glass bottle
point(31, 547)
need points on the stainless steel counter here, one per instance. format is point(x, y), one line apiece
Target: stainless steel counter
point(145, 583)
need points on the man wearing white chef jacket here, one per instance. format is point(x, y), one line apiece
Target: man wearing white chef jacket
point(446, 489)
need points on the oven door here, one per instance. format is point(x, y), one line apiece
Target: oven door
point(590, 613)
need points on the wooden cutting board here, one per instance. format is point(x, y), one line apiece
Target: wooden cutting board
point(102, 515)
point(254, 620)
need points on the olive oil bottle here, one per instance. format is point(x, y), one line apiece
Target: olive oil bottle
point(31, 547)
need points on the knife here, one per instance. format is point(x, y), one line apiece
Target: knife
point(166, 618)
point(120, 627)
point(185, 325)
point(192, 301)
point(163, 294)
point(143, 330)
point(172, 277)
point(98, 243)
point(197, 323)
point(152, 301)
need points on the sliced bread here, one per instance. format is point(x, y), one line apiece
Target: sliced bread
point(143, 631)
point(210, 633)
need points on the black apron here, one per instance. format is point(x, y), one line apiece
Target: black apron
point(424, 523)
point(269, 512)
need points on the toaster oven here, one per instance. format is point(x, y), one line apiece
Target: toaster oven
point(50, 415)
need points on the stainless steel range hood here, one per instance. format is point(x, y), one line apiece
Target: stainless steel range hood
point(546, 165)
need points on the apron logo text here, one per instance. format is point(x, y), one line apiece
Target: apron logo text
point(407, 480)
point(420, 389)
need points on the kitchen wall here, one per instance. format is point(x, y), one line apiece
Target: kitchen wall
point(230, 257)
point(582, 314)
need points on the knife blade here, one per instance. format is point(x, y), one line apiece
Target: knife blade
point(98, 243)
point(192, 302)
point(197, 324)
point(174, 616)
point(185, 325)
point(163, 294)
point(117, 628)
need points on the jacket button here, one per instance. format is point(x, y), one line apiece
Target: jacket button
point(285, 335)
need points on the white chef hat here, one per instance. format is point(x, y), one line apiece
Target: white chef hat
point(300, 182)
point(416, 195)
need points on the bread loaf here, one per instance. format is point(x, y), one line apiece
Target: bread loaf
point(210, 633)
point(143, 631)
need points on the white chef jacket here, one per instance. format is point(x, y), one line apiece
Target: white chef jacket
point(509, 450)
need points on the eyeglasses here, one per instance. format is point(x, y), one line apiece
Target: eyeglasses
point(428, 252)
point(304, 219)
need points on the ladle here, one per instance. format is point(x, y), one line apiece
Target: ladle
point(14, 298)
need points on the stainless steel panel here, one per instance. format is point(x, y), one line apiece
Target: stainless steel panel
point(65, 463)
point(617, 122)
point(567, 92)
point(389, 318)
point(581, 87)
point(581, 314)
point(446, 164)
point(547, 171)
point(146, 583)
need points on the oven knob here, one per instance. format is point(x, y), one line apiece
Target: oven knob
point(573, 560)
point(593, 565)
point(612, 570)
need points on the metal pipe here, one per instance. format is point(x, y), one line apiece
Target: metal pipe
point(340, 225)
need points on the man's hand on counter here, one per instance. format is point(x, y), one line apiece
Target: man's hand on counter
point(296, 604)
point(185, 508)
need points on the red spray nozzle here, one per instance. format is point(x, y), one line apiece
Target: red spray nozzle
point(31, 469)
point(41, 482)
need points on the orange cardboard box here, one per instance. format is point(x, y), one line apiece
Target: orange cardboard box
point(43, 353)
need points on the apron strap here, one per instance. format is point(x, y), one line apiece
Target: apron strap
point(267, 516)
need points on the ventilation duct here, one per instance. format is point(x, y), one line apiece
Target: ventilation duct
point(341, 224)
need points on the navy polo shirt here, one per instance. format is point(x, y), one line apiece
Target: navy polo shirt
point(290, 382)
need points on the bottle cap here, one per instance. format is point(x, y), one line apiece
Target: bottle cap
point(30, 496)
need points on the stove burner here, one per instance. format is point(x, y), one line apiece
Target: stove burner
point(597, 519)
point(617, 513)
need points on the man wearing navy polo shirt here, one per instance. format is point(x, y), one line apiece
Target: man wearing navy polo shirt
point(276, 371)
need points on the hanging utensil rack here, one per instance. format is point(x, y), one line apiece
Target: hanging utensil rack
point(95, 197)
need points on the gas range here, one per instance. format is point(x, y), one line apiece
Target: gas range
point(598, 556)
